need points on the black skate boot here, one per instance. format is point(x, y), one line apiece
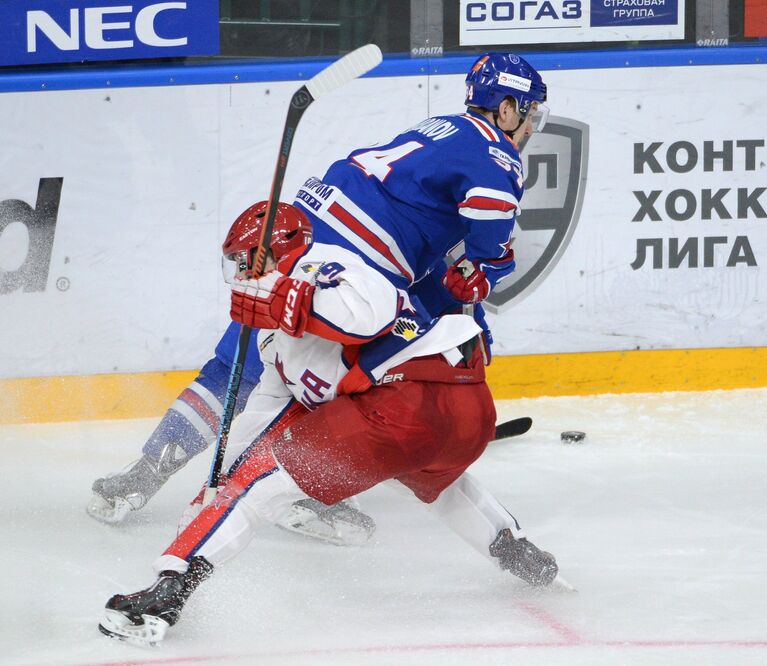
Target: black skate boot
point(143, 617)
point(116, 495)
point(533, 565)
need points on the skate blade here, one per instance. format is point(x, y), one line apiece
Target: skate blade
point(306, 523)
point(559, 584)
point(148, 634)
point(339, 537)
point(108, 512)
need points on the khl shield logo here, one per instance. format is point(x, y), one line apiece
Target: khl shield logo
point(554, 163)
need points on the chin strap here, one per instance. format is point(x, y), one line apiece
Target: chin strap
point(508, 133)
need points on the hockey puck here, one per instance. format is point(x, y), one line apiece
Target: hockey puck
point(572, 437)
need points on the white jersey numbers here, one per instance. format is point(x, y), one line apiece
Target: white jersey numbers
point(378, 162)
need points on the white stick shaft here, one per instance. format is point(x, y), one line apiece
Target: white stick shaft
point(352, 65)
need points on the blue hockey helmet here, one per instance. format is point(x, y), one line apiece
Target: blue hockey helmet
point(496, 76)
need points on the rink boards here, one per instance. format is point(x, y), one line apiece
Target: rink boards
point(639, 246)
point(119, 396)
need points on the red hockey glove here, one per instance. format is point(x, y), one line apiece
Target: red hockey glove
point(466, 282)
point(272, 301)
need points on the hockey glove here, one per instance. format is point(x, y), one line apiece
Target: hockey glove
point(272, 301)
point(466, 282)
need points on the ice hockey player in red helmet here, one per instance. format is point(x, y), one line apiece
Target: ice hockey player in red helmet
point(354, 392)
point(184, 432)
point(292, 230)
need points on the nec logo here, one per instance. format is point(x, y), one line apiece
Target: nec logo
point(103, 27)
point(50, 31)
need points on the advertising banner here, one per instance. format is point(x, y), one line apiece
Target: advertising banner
point(755, 18)
point(553, 21)
point(641, 227)
point(114, 204)
point(57, 31)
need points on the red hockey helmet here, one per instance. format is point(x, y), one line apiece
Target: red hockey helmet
point(292, 230)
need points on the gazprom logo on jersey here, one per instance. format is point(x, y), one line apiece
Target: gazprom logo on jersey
point(555, 162)
point(52, 31)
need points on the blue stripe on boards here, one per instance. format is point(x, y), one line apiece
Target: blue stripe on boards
point(251, 71)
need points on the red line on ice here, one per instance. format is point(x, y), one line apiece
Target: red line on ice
point(569, 635)
point(580, 643)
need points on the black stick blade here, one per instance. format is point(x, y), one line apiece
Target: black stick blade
point(513, 428)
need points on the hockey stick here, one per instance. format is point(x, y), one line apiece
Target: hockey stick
point(352, 65)
point(512, 428)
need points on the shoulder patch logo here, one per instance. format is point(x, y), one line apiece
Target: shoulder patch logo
point(311, 267)
point(501, 155)
point(406, 328)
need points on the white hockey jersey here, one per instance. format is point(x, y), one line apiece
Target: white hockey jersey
point(363, 316)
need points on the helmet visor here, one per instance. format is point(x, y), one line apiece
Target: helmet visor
point(235, 267)
point(539, 117)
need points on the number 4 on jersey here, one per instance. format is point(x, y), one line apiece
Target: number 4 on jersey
point(378, 162)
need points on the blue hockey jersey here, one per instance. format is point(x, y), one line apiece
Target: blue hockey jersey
point(404, 205)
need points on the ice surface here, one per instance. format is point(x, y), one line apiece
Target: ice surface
point(658, 519)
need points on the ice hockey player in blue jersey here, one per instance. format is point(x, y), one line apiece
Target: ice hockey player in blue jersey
point(450, 179)
point(402, 207)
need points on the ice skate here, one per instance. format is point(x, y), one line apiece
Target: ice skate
point(342, 524)
point(142, 618)
point(116, 495)
point(523, 559)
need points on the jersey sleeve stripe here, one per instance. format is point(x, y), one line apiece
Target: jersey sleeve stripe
point(491, 193)
point(364, 233)
point(486, 203)
point(483, 214)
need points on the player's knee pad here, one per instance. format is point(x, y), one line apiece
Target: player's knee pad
point(270, 497)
